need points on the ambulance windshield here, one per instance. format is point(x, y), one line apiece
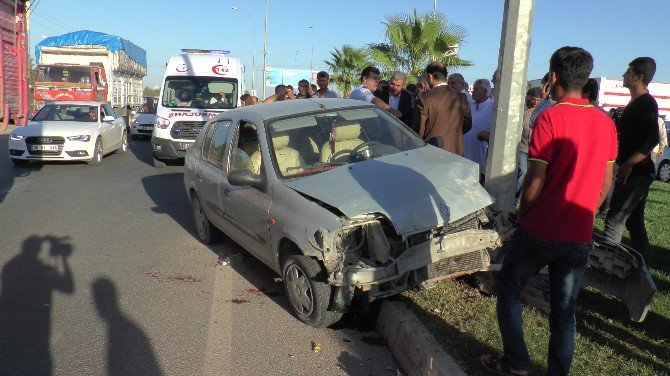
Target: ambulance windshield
point(200, 92)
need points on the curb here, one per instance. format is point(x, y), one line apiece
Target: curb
point(412, 345)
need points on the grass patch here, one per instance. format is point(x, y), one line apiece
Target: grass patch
point(608, 343)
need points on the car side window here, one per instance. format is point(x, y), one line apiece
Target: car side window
point(207, 140)
point(246, 154)
point(109, 111)
point(218, 143)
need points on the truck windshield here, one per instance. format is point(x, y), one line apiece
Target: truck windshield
point(58, 73)
point(200, 92)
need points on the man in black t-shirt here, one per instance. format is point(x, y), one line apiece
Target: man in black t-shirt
point(638, 135)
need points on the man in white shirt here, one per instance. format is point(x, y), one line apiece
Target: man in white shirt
point(369, 84)
point(475, 142)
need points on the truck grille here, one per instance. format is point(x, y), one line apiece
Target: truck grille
point(45, 140)
point(188, 130)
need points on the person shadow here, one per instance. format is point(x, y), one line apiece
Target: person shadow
point(128, 349)
point(28, 283)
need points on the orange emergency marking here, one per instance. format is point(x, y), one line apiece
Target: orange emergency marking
point(272, 221)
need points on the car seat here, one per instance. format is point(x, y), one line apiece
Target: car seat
point(286, 157)
point(342, 137)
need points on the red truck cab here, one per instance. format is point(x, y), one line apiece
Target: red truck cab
point(69, 82)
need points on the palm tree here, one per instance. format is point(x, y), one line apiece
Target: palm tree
point(346, 65)
point(414, 41)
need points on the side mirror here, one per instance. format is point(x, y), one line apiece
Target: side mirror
point(245, 177)
point(436, 141)
point(108, 119)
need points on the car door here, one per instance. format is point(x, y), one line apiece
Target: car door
point(118, 124)
point(107, 132)
point(248, 208)
point(209, 172)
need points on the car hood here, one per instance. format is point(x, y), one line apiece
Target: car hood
point(57, 128)
point(417, 190)
point(145, 118)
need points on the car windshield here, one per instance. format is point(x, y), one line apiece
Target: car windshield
point(200, 92)
point(148, 105)
point(310, 144)
point(62, 112)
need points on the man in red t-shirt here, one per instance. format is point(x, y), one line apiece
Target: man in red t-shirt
point(570, 164)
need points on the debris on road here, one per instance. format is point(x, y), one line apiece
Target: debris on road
point(316, 347)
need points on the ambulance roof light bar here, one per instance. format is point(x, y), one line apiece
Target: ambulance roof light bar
point(200, 51)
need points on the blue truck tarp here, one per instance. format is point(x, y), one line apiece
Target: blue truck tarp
point(93, 38)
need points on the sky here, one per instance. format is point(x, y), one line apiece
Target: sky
point(614, 31)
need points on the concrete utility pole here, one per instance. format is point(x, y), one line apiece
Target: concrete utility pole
point(265, 48)
point(253, 53)
point(501, 166)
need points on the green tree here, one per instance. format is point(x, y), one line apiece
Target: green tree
point(151, 91)
point(414, 41)
point(346, 65)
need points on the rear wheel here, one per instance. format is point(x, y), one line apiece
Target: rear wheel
point(207, 233)
point(308, 292)
point(664, 171)
point(97, 154)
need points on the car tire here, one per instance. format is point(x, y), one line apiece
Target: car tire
point(20, 162)
point(123, 149)
point(308, 292)
point(664, 171)
point(207, 232)
point(134, 137)
point(96, 160)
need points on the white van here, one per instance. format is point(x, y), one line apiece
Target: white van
point(198, 85)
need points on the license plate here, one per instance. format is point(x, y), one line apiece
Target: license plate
point(45, 147)
point(182, 146)
point(145, 128)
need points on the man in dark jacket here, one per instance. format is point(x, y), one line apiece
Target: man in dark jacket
point(397, 97)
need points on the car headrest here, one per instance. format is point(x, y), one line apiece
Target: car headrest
point(280, 141)
point(346, 132)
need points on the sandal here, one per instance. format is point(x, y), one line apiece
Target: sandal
point(498, 366)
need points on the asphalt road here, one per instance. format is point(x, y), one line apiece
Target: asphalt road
point(102, 275)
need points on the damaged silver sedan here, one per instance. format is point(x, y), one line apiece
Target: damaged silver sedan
point(339, 198)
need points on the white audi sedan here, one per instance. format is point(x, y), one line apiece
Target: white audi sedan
point(69, 131)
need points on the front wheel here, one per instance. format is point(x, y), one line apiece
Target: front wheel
point(159, 163)
point(124, 144)
point(308, 292)
point(97, 154)
point(664, 171)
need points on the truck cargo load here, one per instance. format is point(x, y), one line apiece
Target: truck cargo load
point(89, 65)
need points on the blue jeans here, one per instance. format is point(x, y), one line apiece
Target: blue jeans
point(627, 208)
point(522, 159)
point(527, 256)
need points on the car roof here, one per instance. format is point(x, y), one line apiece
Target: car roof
point(81, 103)
point(273, 110)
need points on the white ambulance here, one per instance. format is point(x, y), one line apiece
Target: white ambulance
point(198, 85)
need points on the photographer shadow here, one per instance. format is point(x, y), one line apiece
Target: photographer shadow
point(28, 284)
point(128, 351)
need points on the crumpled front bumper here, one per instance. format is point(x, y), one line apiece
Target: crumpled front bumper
point(433, 251)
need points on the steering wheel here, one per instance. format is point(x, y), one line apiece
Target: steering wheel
point(360, 147)
point(338, 154)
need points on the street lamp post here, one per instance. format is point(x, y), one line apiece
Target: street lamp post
point(253, 53)
point(311, 59)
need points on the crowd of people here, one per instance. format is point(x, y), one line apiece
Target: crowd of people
point(575, 160)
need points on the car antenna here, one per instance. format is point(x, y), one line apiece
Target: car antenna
point(319, 104)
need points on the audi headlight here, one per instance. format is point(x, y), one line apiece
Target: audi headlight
point(135, 122)
point(162, 123)
point(82, 137)
point(16, 137)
